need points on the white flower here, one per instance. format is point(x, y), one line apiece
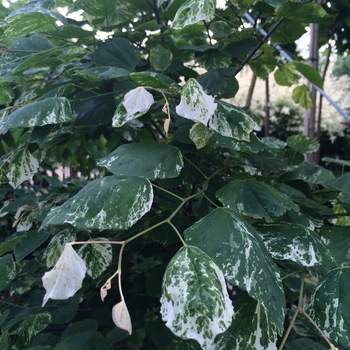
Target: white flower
point(195, 104)
point(66, 277)
point(121, 317)
point(138, 100)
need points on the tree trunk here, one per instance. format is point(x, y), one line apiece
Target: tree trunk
point(309, 116)
point(248, 101)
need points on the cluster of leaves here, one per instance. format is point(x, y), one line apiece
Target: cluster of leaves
point(199, 208)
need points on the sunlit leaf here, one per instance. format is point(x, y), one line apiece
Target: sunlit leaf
point(138, 100)
point(195, 303)
point(302, 95)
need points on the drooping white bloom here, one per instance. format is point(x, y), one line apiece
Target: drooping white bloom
point(121, 317)
point(66, 277)
point(138, 100)
point(195, 104)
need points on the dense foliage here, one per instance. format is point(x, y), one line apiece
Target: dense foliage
point(139, 210)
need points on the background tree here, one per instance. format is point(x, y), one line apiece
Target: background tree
point(174, 226)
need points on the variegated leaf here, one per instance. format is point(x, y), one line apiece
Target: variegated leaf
point(97, 257)
point(199, 134)
point(193, 11)
point(109, 203)
point(195, 302)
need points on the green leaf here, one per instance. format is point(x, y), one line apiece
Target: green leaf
point(286, 241)
point(98, 8)
point(251, 328)
point(220, 29)
point(329, 306)
point(199, 134)
point(117, 52)
point(241, 48)
point(214, 59)
point(53, 110)
point(239, 251)
point(255, 199)
point(19, 167)
point(231, 121)
point(160, 58)
point(109, 203)
point(309, 73)
point(5, 341)
point(193, 11)
point(304, 12)
point(309, 173)
point(302, 95)
point(341, 183)
point(6, 94)
point(153, 79)
point(272, 142)
point(303, 144)
point(102, 73)
point(288, 32)
point(8, 244)
point(21, 50)
point(149, 160)
point(8, 271)
point(97, 257)
point(30, 327)
point(29, 242)
point(337, 240)
point(263, 66)
point(286, 75)
point(195, 303)
point(219, 82)
point(336, 161)
point(31, 17)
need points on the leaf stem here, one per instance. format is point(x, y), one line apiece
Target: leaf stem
point(177, 232)
point(96, 242)
point(166, 191)
point(317, 327)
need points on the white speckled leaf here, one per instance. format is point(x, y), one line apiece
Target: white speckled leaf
point(109, 203)
point(251, 328)
point(149, 160)
point(121, 317)
point(231, 121)
point(294, 242)
point(97, 257)
point(195, 104)
point(239, 251)
point(8, 271)
point(193, 11)
point(21, 168)
point(255, 199)
point(329, 306)
point(195, 303)
point(64, 280)
point(199, 134)
point(53, 110)
point(121, 116)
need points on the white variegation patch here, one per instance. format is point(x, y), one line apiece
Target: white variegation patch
point(138, 100)
point(66, 278)
point(195, 104)
point(22, 167)
point(195, 303)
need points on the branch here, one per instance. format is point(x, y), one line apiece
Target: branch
point(261, 43)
